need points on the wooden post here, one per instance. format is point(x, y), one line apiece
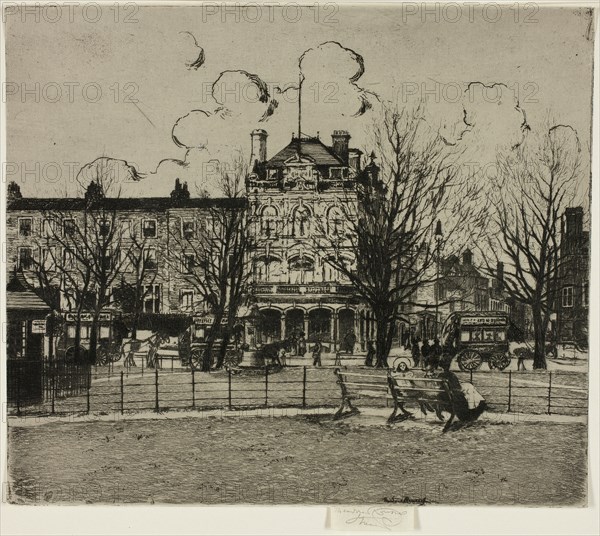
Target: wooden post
point(266, 386)
point(156, 406)
point(304, 387)
point(193, 389)
point(471, 375)
point(549, 391)
point(509, 390)
point(229, 388)
point(142, 365)
point(19, 376)
point(122, 393)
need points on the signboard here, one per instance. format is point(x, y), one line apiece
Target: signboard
point(38, 326)
point(483, 321)
point(87, 317)
point(207, 320)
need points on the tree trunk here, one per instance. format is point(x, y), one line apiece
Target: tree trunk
point(381, 344)
point(210, 341)
point(77, 336)
point(93, 340)
point(223, 349)
point(539, 334)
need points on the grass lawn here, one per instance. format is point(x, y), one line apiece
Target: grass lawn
point(302, 459)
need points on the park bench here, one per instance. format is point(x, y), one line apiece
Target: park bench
point(433, 394)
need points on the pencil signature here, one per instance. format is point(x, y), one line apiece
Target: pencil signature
point(382, 517)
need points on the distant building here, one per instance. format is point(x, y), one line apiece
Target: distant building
point(573, 279)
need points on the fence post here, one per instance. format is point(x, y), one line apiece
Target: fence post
point(549, 391)
point(509, 390)
point(89, 386)
point(193, 389)
point(143, 366)
point(304, 387)
point(471, 375)
point(19, 378)
point(156, 406)
point(229, 387)
point(53, 388)
point(122, 389)
point(266, 386)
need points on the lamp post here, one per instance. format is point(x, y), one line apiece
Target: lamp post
point(438, 243)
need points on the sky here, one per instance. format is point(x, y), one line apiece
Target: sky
point(164, 92)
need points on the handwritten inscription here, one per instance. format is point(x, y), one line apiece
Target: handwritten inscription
point(372, 518)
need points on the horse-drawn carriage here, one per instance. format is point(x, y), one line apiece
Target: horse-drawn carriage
point(193, 342)
point(108, 348)
point(476, 336)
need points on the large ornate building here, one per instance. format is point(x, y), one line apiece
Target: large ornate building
point(295, 198)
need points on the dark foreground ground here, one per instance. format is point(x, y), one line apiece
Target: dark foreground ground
point(302, 459)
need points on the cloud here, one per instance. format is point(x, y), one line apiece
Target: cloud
point(194, 53)
point(492, 113)
point(112, 173)
point(329, 74)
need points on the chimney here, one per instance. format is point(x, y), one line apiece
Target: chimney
point(259, 146)
point(500, 275)
point(354, 159)
point(467, 257)
point(340, 140)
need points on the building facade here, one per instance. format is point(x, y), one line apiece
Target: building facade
point(294, 200)
point(573, 280)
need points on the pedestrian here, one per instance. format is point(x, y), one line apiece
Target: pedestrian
point(435, 353)
point(316, 354)
point(281, 357)
point(521, 352)
point(338, 358)
point(370, 354)
point(349, 342)
point(415, 352)
point(301, 344)
point(425, 352)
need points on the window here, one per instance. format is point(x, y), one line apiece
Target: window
point(126, 262)
point(48, 258)
point(269, 221)
point(335, 222)
point(126, 229)
point(567, 297)
point(149, 228)
point(104, 332)
point(187, 230)
point(25, 258)
point(152, 298)
point(150, 262)
point(584, 294)
point(25, 226)
point(188, 263)
point(106, 259)
point(69, 228)
point(104, 228)
point(186, 300)
point(301, 221)
point(68, 260)
point(48, 228)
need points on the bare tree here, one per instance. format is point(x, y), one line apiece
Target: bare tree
point(214, 260)
point(534, 186)
point(388, 248)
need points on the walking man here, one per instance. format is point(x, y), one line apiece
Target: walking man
point(316, 354)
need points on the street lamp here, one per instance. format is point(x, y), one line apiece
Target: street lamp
point(438, 243)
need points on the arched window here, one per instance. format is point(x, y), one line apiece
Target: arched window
point(268, 268)
point(268, 221)
point(301, 268)
point(301, 221)
point(335, 222)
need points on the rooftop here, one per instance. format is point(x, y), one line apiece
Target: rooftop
point(313, 148)
point(125, 203)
